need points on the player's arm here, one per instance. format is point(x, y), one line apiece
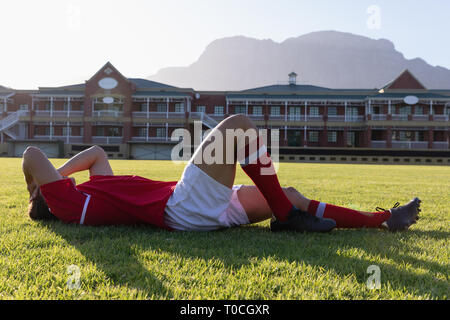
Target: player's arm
point(37, 170)
point(93, 159)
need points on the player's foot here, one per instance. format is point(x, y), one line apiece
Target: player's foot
point(301, 221)
point(403, 217)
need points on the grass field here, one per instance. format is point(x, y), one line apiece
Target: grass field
point(242, 263)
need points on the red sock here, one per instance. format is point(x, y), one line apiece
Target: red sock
point(347, 218)
point(258, 166)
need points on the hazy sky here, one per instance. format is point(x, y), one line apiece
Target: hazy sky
point(59, 42)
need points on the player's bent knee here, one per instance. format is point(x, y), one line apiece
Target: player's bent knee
point(31, 152)
point(99, 150)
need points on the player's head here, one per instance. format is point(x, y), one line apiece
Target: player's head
point(38, 209)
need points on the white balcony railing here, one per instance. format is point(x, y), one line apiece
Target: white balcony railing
point(107, 140)
point(420, 117)
point(260, 117)
point(379, 117)
point(409, 144)
point(350, 118)
point(336, 118)
point(58, 113)
point(66, 139)
point(378, 144)
point(440, 117)
point(107, 113)
point(400, 117)
point(151, 139)
point(440, 145)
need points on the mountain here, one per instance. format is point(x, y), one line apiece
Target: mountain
point(327, 58)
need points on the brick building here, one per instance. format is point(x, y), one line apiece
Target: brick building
point(134, 118)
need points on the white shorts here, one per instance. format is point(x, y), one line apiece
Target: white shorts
point(200, 203)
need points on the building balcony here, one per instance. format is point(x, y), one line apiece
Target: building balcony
point(106, 140)
point(151, 139)
point(259, 117)
point(158, 115)
point(379, 117)
point(420, 117)
point(440, 117)
point(66, 139)
point(409, 144)
point(336, 118)
point(378, 144)
point(440, 145)
point(400, 117)
point(106, 113)
point(350, 118)
point(58, 113)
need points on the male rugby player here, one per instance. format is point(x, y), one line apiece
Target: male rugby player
point(204, 199)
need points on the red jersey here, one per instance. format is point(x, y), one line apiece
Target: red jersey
point(109, 200)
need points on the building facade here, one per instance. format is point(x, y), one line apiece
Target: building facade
point(135, 118)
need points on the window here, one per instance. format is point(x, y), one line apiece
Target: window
point(218, 110)
point(376, 110)
point(418, 110)
point(239, 110)
point(405, 110)
point(332, 111)
point(314, 111)
point(179, 107)
point(143, 107)
point(295, 113)
point(66, 131)
point(257, 110)
point(419, 136)
point(314, 136)
point(142, 132)
point(351, 138)
point(160, 132)
point(332, 136)
point(275, 111)
point(100, 131)
point(352, 111)
point(405, 135)
point(201, 109)
point(23, 107)
point(113, 132)
point(49, 131)
point(161, 107)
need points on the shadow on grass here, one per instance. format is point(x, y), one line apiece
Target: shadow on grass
point(115, 251)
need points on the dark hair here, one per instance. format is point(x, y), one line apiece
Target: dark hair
point(38, 209)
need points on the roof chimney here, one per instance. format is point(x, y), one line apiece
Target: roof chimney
point(292, 79)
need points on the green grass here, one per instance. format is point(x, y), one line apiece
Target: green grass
point(242, 263)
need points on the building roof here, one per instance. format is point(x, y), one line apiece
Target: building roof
point(296, 96)
point(406, 80)
point(148, 84)
point(278, 88)
point(160, 93)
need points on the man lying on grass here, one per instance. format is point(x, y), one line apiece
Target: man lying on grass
point(204, 199)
